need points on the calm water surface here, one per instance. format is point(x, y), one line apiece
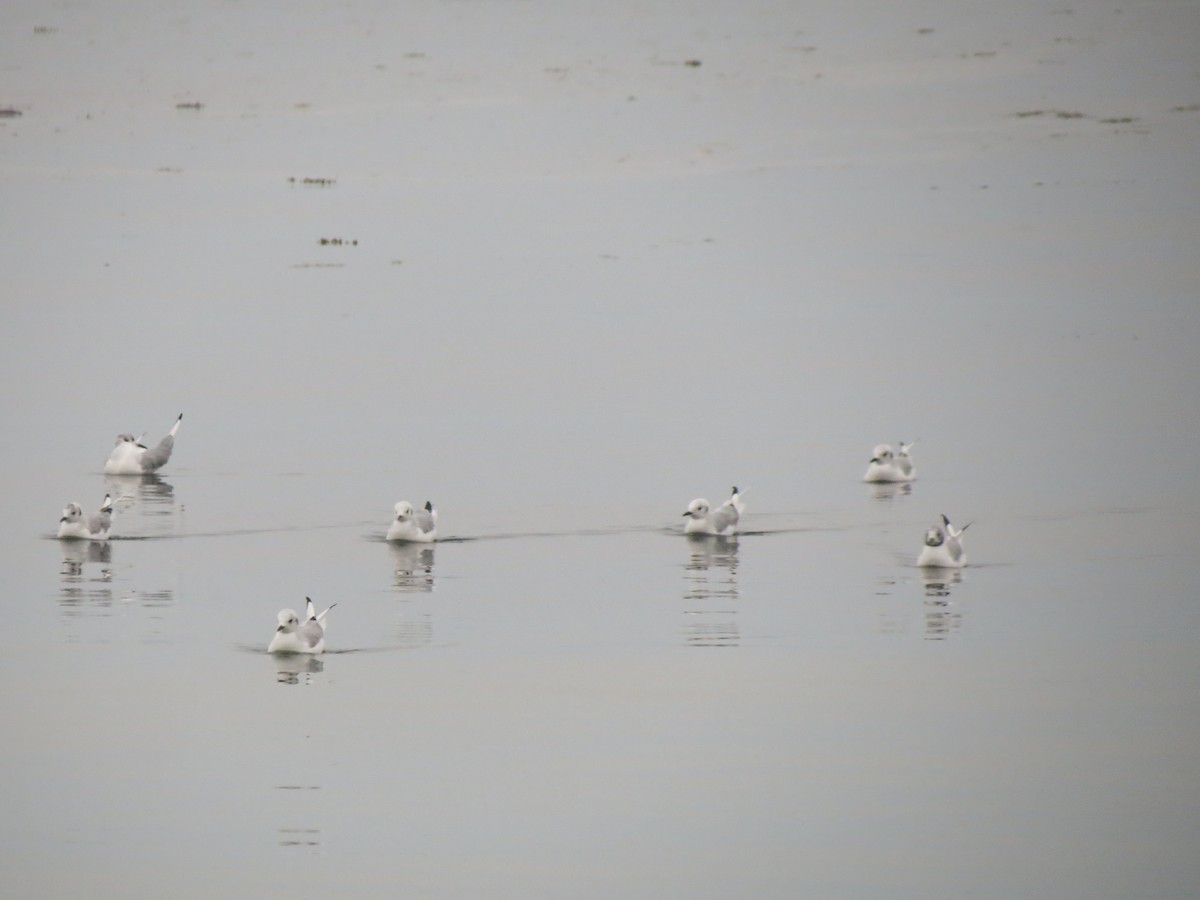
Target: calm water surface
point(580, 282)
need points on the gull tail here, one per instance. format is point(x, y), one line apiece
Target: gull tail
point(951, 530)
point(312, 611)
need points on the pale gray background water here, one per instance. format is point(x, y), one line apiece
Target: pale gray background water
point(590, 283)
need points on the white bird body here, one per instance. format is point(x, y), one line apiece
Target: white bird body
point(888, 465)
point(904, 463)
point(722, 521)
point(75, 526)
point(293, 636)
point(943, 547)
point(131, 457)
point(415, 525)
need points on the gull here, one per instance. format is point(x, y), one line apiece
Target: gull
point(131, 457)
point(904, 463)
point(943, 547)
point(721, 521)
point(418, 525)
point(73, 525)
point(887, 465)
point(293, 637)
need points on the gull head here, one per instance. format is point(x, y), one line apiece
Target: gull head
point(72, 512)
point(882, 454)
point(404, 511)
point(934, 537)
point(697, 509)
point(288, 621)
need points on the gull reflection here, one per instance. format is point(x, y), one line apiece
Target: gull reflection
point(145, 505)
point(299, 837)
point(890, 490)
point(157, 497)
point(413, 566)
point(79, 587)
point(710, 592)
point(296, 668)
point(942, 616)
point(77, 553)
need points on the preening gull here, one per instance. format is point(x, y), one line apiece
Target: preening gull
point(131, 457)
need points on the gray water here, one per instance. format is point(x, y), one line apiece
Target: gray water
point(570, 281)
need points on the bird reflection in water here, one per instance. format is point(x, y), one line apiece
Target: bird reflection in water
point(296, 668)
point(890, 490)
point(942, 616)
point(145, 504)
point(413, 566)
point(78, 586)
point(710, 592)
point(413, 574)
point(150, 491)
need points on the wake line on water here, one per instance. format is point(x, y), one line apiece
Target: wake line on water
point(299, 657)
point(233, 532)
point(673, 531)
point(379, 537)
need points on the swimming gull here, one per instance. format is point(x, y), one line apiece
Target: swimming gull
point(943, 547)
point(887, 465)
point(75, 526)
point(722, 521)
point(294, 637)
point(417, 525)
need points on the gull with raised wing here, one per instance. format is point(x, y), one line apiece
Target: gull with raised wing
point(943, 547)
point(131, 457)
point(722, 521)
point(887, 465)
point(74, 525)
point(294, 636)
